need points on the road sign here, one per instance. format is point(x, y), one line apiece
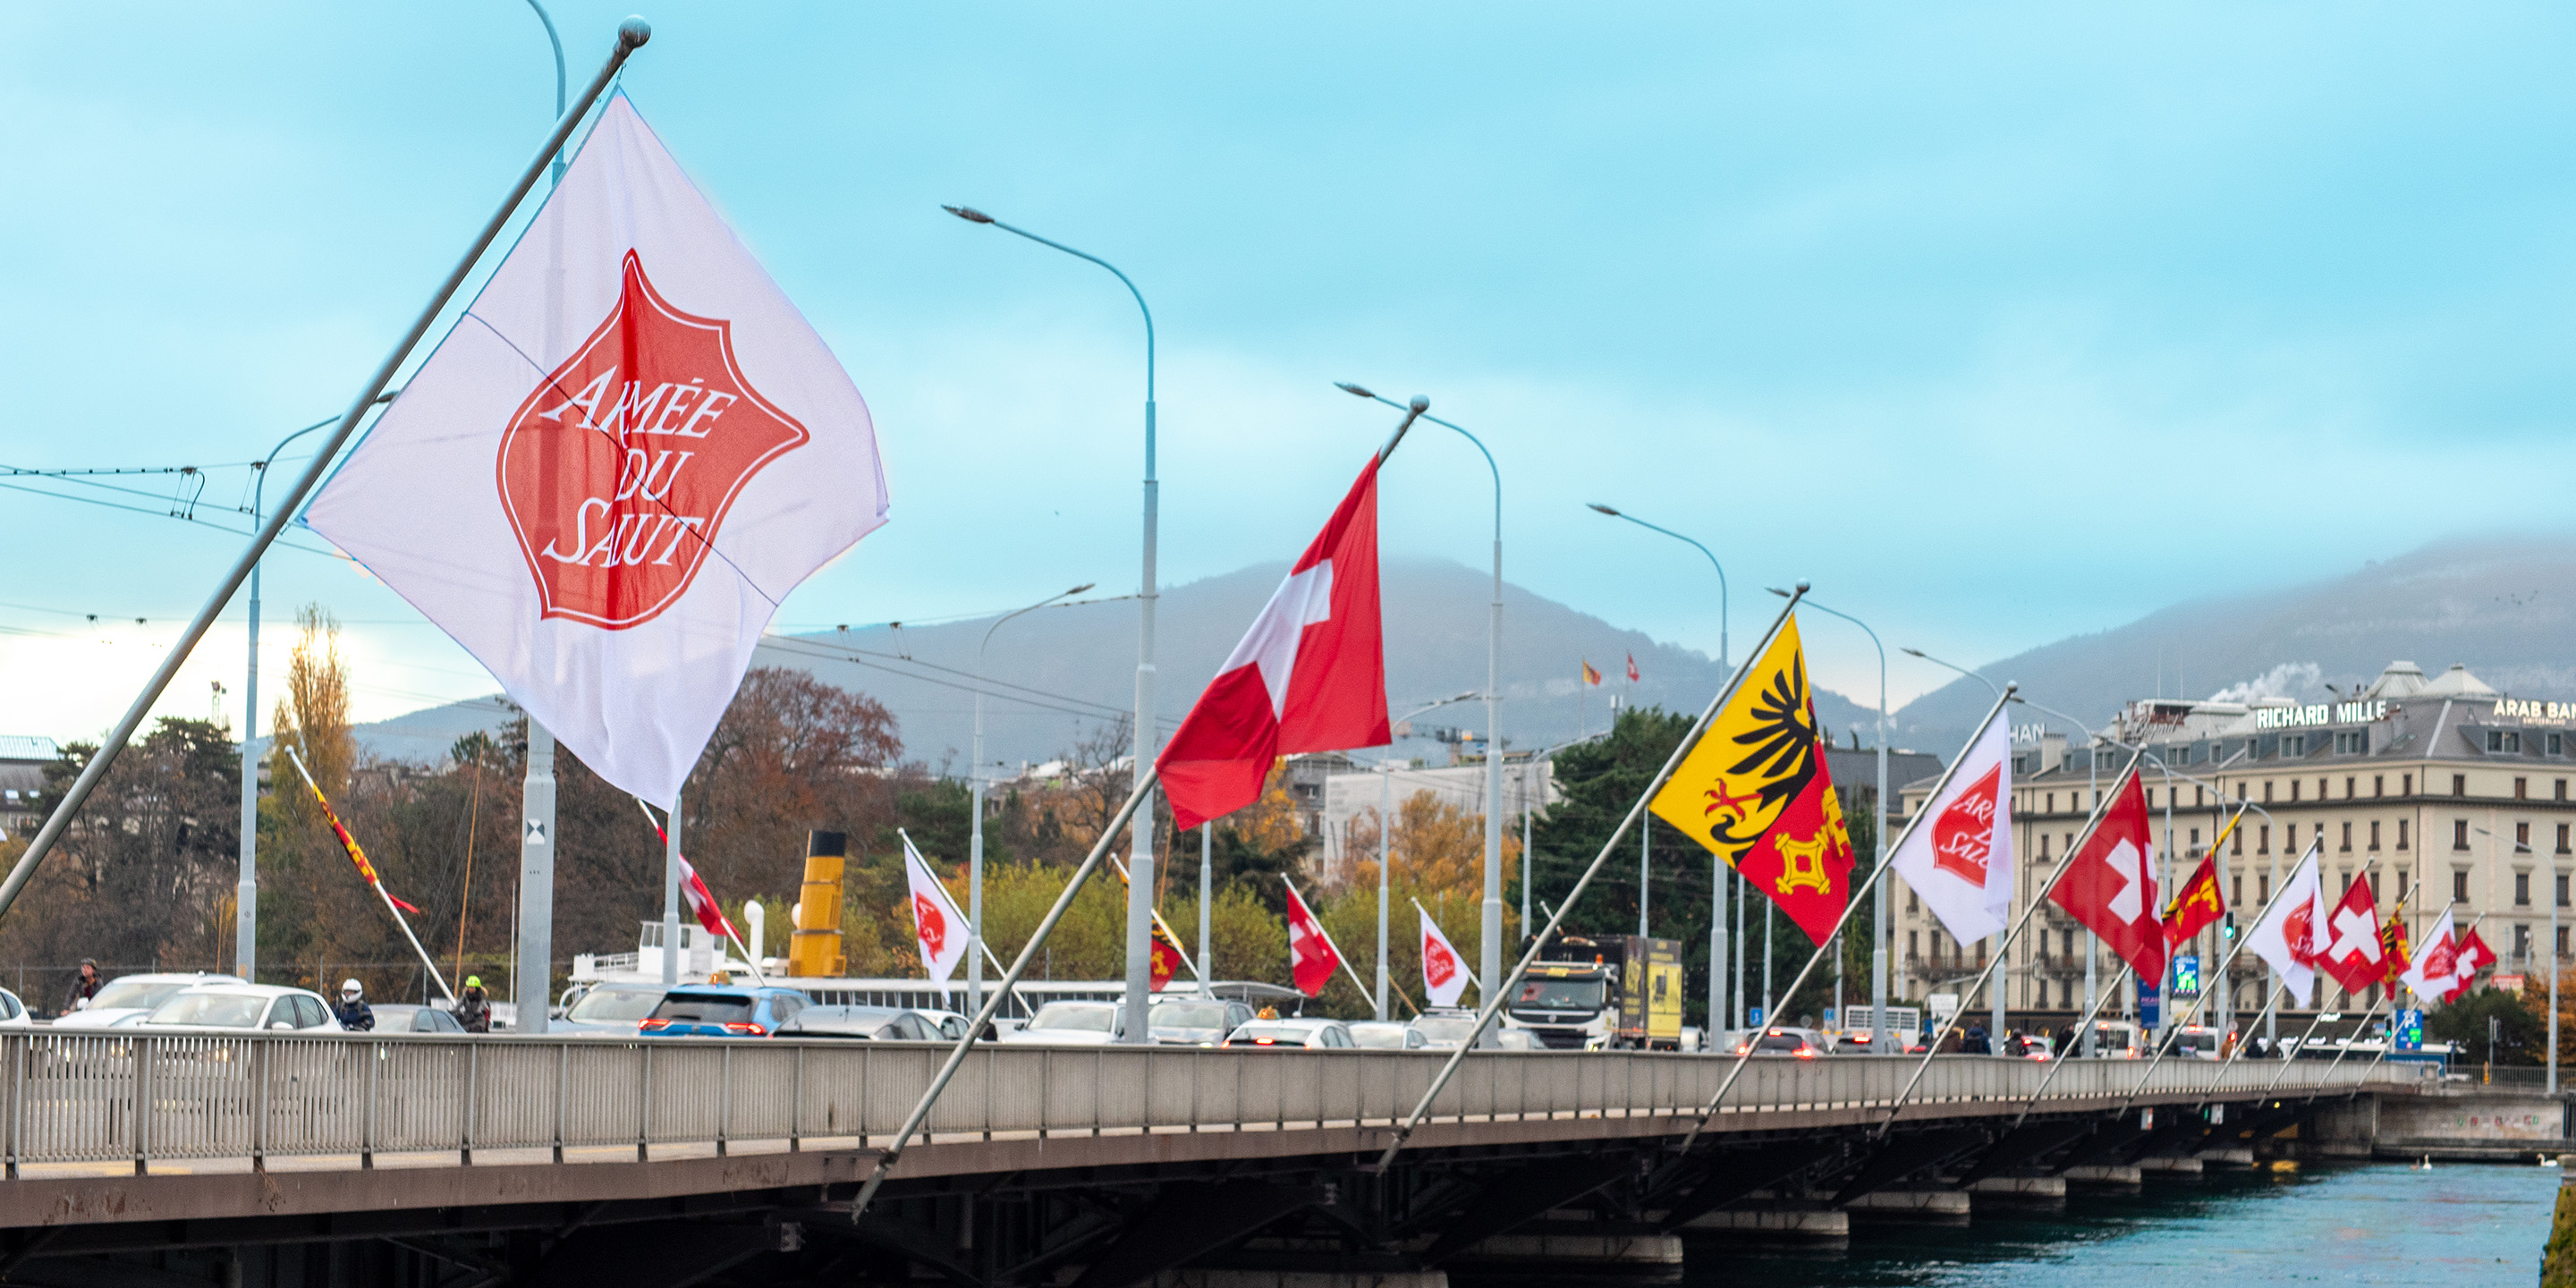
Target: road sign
point(1753, 1016)
point(2150, 1010)
point(2186, 977)
point(2409, 1031)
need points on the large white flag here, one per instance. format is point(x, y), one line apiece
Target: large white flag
point(1961, 858)
point(2294, 933)
point(937, 926)
point(1444, 979)
point(623, 456)
point(2432, 975)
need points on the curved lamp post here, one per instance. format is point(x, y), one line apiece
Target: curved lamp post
point(1489, 950)
point(1385, 833)
point(975, 792)
point(1140, 866)
point(1881, 919)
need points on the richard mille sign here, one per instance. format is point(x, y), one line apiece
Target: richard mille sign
point(2322, 713)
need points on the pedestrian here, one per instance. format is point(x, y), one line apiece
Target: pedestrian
point(354, 1014)
point(474, 1009)
point(1976, 1043)
point(84, 986)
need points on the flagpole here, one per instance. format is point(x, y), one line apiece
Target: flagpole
point(374, 883)
point(749, 961)
point(1852, 904)
point(1493, 1005)
point(631, 36)
point(2084, 1028)
point(1159, 923)
point(2395, 911)
point(2390, 1045)
point(2161, 1045)
point(1143, 790)
point(1342, 957)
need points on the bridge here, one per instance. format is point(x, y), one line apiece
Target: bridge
point(283, 1159)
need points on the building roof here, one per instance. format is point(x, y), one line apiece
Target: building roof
point(28, 746)
point(2456, 683)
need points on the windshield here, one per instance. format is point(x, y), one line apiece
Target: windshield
point(614, 1006)
point(222, 1010)
point(1562, 994)
point(1445, 1028)
point(1782, 1042)
point(137, 993)
point(1079, 1019)
point(1190, 1015)
point(703, 1008)
point(1283, 1033)
point(1385, 1037)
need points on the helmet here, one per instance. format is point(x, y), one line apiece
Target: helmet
point(350, 988)
point(474, 981)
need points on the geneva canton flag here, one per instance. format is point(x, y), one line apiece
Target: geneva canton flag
point(623, 456)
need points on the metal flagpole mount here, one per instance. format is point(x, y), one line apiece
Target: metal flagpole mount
point(886, 1161)
point(1493, 1005)
point(631, 36)
point(1851, 904)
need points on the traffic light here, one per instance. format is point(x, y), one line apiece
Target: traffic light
point(2227, 930)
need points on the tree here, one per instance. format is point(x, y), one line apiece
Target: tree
point(2518, 1034)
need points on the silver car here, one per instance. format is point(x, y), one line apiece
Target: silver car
point(1389, 1036)
point(128, 998)
point(1281, 1035)
point(608, 1009)
point(1196, 1021)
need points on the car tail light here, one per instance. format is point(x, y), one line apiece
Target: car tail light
point(1806, 1053)
point(745, 1029)
point(650, 1025)
point(1265, 1042)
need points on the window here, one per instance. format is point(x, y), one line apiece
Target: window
point(2347, 787)
point(2236, 891)
point(2504, 740)
point(2267, 791)
point(2264, 885)
point(2321, 789)
point(2562, 936)
point(2522, 889)
point(2561, 792)
point(2240, 787)
point(2401, 835)
point(2406, 784)
point(2294, 791)
point(2459, 784)
point(2379, 784)
point(2459, 834)
point(2237, 845)
point(2522, 941)
point(2556, 743)
point(2374, 835)
point(2043, 847)
point(2294, 744)
point(2355, 743)
point(2290, 838)
point(2347, 838)
point(2460, 885)
point(2199, 796)
point(2052, 805)
point(2263, 839)
point(1914, 943)
point(2522, 837)
point(2194, 842)
point(2562, 838)
point(1913, 901)
point(2522, 789)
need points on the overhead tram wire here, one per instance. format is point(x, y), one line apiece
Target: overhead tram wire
point(857, 657)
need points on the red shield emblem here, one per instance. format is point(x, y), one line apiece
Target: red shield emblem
point(618, 470)
point(2299, 930)
point(1439, 966)
point(932, 926)
point(1965, 831)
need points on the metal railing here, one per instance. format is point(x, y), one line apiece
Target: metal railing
point(146, 1098)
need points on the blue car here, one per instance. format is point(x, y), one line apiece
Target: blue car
point(722, 1011)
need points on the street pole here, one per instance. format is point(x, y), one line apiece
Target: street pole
point(1207, 895)
point(1881, 923)
point(975, 799)
point(1489, 952)
point(1140, 865)
point(1718, 1010)
point(1385, 831)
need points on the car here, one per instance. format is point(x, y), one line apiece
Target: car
point(1195, 1021)
point(721, 1011)
point(868, 1024)
point(1073, 1023)
point(1443, 1030)
point(13, 1013)
point(128, 998)
point(607, 1010)
point(1517, 1040)
point(1800, 1044)
point(950, 1024)
point(1389, 1036)
point(240, 1008)
point(1312, 1035)
point(412, 1017)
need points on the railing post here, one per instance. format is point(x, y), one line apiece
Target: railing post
point(367, 1112)
point(724, 1103)
point(644, 1104)
point(796, 1108)
point(142, 1105)
point(473, 1098)
point(21, 1050)
point(563, 1092)
point(259, 1073)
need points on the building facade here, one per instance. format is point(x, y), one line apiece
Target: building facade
point(2439, 791)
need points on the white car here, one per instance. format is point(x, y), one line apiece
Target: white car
point(128, 998)
point(1072, 1024)
point(1292, 1034)
point(241, 1008)
point(607, 1010)
point(13, 1013)
point(1389, 1036)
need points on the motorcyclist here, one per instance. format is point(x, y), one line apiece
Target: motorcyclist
point(84, 986)
point(474, 1007)
point(353, 1013)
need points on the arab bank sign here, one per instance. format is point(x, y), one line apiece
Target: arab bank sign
point(2322, 713)
point(2532, 709)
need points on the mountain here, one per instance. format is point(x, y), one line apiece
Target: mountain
point(2501, 607)
point(1059, 673)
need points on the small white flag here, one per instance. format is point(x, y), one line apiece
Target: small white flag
point(1444, 980)
point(1960, 859)
point(623, 456)
point(937, 926)
point(2294, 933)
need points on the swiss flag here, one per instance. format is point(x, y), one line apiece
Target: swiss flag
point(1309, 676)
point(1311, 955)
point(2352, 952)
point(2110, 882)
point(2472, 956)
point(702, 901)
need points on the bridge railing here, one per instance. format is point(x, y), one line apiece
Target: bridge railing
point(109, 1098)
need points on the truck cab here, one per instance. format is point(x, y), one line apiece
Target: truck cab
point(1606, 992)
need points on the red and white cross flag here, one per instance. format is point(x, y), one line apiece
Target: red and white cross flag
point(1961, 859)
point(2110, 881)
point(1444, 980)
point(1309, 676)
point(2352, 954)
point(2294, 933)
point(2473, 956)
point(2430, 977)
point(702, 901)
point(937, 926)
point(628, 450)
point(1312, 958)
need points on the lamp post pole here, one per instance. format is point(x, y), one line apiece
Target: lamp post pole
point(1720, 1016)
point(1489, 950)
point(1140, 860)
point(1385, 843)
point(1880, 1039)
point(975, 827)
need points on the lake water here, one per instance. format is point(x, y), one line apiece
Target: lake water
point(2449, 1227)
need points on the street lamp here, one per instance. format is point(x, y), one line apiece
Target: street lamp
point(1881, 1038)
point(1140, 864)
point(1489, 964)
point(1385, 831)
point(975, 830)
point(2552, 952)
point(1720, 1016)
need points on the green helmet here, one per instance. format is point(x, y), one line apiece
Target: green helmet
point(474, 981)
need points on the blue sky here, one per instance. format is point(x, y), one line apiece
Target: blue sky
point(1996, 322)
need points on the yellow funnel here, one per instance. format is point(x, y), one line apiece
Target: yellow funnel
point(815, 949)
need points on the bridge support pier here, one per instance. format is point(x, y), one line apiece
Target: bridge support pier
point(1935, 1207)
point(1539, 1256)
point(1800, 1225)
point(2170, 1165)
point(1300, 1279)
point(2105, 1176)
point(2019, 1192)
